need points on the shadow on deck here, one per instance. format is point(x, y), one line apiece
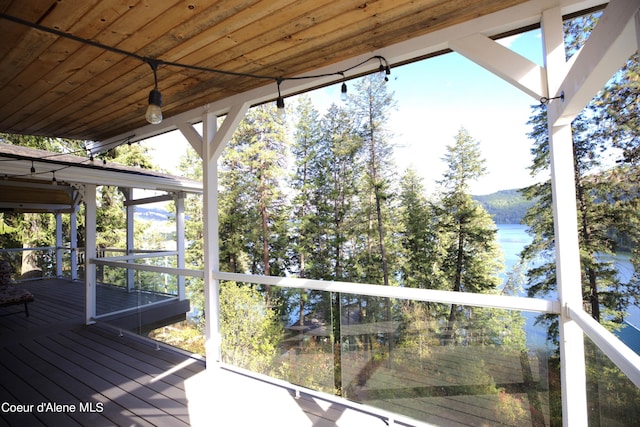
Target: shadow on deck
point(58, 371)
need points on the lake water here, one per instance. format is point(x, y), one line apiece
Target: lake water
point(513, 238)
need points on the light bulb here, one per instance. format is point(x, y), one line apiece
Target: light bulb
point(280, 105)
point(343, 92)
point(154, 112)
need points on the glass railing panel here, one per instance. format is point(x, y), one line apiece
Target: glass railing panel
point(280, 332)
point(612, 399)
point(447, 365)
point(436, 363)
point(116, 290)
point(187, 334)
point(28, 264)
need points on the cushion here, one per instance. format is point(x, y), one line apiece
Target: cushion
point(13, 295)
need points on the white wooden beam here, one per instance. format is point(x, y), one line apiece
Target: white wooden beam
point(192, 136)
point(228, 127)
point(524, 74)
point(626, 359)
point(108, 176)
point(610, 45)
point(130, 234)
point(415, 294)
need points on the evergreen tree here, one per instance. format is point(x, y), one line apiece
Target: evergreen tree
point(420, 242)
point(252, 200)
point(325, 188)
point(371, 106)
point(338, 171)
point(472, 258)
point(305, 148)
point(191, 167)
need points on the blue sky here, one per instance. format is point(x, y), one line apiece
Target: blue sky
point(436, 97)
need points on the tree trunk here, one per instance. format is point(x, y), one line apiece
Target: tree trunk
point(457, 286)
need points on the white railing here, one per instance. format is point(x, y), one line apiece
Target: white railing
point(429, 295)
point(127, 263)
point(621, 355)
point(624, 358)
point(122, 262)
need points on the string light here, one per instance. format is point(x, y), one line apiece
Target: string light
point(343, 90)
point(280, 102)
point(154, 112)
point(33, 169)
point(54, 181)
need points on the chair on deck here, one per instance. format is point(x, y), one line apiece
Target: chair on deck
point(10, 292)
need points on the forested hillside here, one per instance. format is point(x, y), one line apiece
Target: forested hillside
point(505, 206)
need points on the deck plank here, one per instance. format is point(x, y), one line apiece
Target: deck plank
point(52, 356)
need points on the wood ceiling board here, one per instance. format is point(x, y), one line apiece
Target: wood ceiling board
point(49, 86)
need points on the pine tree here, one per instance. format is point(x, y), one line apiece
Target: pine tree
point(420, 241)
point(472, 259)
point(252, 202)
point(371, 106)
point(305, 147)
point(339, 166)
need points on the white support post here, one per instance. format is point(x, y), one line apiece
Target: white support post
point(58, 245)
point(572, 363)
point(180, 246)
point(214, 141)
point(73, 240)
point(211, 248)
point(90, 252)
point(131, 210)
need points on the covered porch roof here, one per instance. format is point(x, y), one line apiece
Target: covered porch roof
point(82, 69)
point(25, 191)
point(71, 87)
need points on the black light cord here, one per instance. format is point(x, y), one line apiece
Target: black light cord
point(155, 63)
point(544, 100)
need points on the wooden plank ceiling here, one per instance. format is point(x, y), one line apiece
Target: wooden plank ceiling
point(56, 86)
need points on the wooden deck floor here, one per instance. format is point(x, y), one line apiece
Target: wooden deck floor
point(74, 374)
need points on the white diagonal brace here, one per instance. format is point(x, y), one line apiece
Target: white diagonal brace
point(228, 127)
point(503, 62)
point(609, 46)
point(192, 136)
